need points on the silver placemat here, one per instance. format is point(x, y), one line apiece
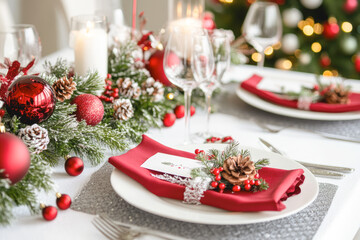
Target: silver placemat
point(98, 197)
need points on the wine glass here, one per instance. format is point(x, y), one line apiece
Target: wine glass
point(20, 42)
point(188, 60)
point(262, 27)
point(221, 49)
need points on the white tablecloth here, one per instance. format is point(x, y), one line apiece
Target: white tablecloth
point(341, 222)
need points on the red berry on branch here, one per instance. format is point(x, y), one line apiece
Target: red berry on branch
point(108, 76)
point(216, 171)
point(246, 182)
point(192, 110)
point(257, 176)
point(197, 151)
point(252, 182)
point(63, 201)
point(2, 113)
point(218, 177)
point(49, 212)
point(236, 188)
point(169, 119)
point(221, 169)
point(222, 186)
point(316, 87)
point(247, 187)
point(257, 183)
point(202, 151)
point(179, 111)
point(214, 184)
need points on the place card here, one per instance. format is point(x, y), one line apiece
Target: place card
point(279, 85)
point(171, 164)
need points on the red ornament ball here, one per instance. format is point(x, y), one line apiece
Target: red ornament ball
point(31, 98)
point(89, 108)
point(49, 213)
point(357, 64)
point(192, 110)
point(331, 30)
point(179, 111)
point(208, 21)
point(350, 6)
point(325, 61)
point(14, 157)
point(63, 201)
point(156, 69)
point(74, 166)
point(169, 119)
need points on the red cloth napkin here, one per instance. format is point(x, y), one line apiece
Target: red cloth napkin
point(251, 86)
point(283, 183)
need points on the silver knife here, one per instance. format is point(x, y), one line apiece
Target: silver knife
point(312, 166)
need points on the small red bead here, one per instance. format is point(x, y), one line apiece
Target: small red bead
point(218, 177)
point(115, 95)
point(116, 90)
point(247, 187)
point(216, 171)
point(257, 182)
point(108, 87)
point(2, 113)
point(108, 76)
point(213, 139)
point(252, 182)
point(214, 184)
point(257, 176)
point(197, 151)
point(236, 188)
point(221, 169)
point(222, 186)
point(246, 182)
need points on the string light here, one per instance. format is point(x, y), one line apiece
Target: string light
point(301, 24)
point(268, 51)
point(256, 57)
point(277, 46)
point(226, 1)
point(170, 96)
point(284, 64)
point(327, 73)
point(297, 53)
point(346, 27)
point(316, 47)
point(335, 73)
point(318, 28)
point(308, 30)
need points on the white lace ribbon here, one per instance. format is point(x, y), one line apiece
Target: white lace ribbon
point(194, 188)
point(304, 102)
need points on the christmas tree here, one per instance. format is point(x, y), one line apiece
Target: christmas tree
point(319, 36)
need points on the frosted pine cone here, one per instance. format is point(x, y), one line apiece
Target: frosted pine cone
point(153, 88)
point(128, 88)
point(123, 109)
point(35, 137)
point(64, 88)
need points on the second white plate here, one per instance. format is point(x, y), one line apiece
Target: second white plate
point(138, 196)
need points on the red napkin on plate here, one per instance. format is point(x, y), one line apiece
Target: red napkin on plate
point(251, 86)
point(283, 183)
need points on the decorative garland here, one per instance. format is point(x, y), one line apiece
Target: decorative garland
point(132, 103)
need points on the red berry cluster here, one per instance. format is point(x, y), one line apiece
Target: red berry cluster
point(110, 93)
point(227, 139)
point(179, 112)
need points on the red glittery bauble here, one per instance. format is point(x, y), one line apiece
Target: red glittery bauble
point(89, 108)
point(31, 98)
point(331, 30)
point(350, 6)
point(74, 166)
point(169, 119)
point(14, 157)
point(156, 69)
point(63, 201)
point(49, 213)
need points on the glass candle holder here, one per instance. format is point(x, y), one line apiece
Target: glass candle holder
point(88, 38)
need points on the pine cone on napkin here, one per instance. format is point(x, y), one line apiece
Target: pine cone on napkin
point(238, 169)
point(338, 95)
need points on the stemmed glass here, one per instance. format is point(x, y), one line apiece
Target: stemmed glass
point(221, 48)
point(188, 60)
point(20, 42)
point(262, 27)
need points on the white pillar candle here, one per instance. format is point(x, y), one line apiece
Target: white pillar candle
point(90, 46)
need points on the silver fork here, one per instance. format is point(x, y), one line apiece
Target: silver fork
point(323, 134)
point(120, 231)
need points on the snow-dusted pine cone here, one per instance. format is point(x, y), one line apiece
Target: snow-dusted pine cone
point(64, 88)
point(123, 109)
point(35, 137)
point(153, 88)
point(128, 88)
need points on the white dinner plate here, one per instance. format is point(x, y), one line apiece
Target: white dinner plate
point(262, 104)
point(138, 196)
